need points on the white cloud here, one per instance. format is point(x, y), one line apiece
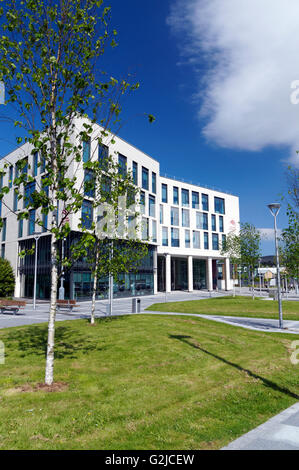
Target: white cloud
point(268, 233)
point(247, 55)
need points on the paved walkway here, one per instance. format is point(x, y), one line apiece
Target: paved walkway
point(278, 433)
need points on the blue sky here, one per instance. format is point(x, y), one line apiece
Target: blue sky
point(204, 81)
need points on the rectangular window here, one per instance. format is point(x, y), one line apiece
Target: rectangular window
point(43, 164)
point(219, 205)
point(29, 190)
point(135, 173)
point(3, 251)
point(86, 150)
point(87, 214)
point(24, 166)
point(206, 240)
point(35, 163)
point(174, 216)
point(195, 200)
point(144, 179)
point(103, 153)
point(215, 241)
point(223, 240)
point(185, 197)
point(89, 183)
point(164, 236)
point(152, 206)
point(205, 202)
point(16, 170)
point(185, 218)
point(20, 231)
point(10, 180)
point(196, 239)
point(221, 227)
point(161, 214)
point(45, 223)
point(175, 237)
point(31, 222)
point(15, 200)
point(213, 220)
point(164, 192)
point(3, 236)
point(122, 162)
point(202, 220)
point(154, 183)
point(142, 202)
point(154, 231)
point(144, 225)
point(175, 195)
point(187, 238)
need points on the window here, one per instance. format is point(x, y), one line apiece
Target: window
point(219, 205)
point(43, 164)
point(154, 231)
point(174, 216)
point(161, 214)
point(16, 170)
point(103, 153)
point(122, 162)
point(185, 197)
point(187, 238)
point(86, 150)
point(175, 237)
point(221, 228)
point(223, 240)
point(144, 178)
point(45, 222)
point(31, 222)
point(185, 218)
point(195, 200)
point(35, 163)
point(202, 220)
point(3, 230)
point(205, 202)
point(196, 239)
point(152, 206)
point(164, 192)
point(175, 195)
point(10, 179)
point(213, 220)
point(164, 236)
point(3, 251)
point(135, 173)
point(29, 190)
point(23, 165)
point(87, 214)
point(215, 241)
point(154, 183)
point(15, 200)
point(20, 231)
point(206, 240)
point(89, 183)
point(144, 228)
point(142, 202)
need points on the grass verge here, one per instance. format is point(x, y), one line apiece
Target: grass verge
point(142, 382)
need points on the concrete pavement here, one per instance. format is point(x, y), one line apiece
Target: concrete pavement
point(278, 433)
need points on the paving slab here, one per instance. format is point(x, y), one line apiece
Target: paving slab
point(278, 433)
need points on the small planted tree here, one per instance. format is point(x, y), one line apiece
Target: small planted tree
point(250, 240)
point(231, 248)
point(7, 279)
point(289, 247)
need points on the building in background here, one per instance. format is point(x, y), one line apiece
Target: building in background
point(185, 224)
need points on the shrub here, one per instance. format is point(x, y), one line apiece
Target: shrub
point(7, 278)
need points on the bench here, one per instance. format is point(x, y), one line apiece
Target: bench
point(11, 305)
point(67, 304)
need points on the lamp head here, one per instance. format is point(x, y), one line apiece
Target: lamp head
point(274, 208)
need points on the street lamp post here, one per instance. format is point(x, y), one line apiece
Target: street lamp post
point(36, 237)
point(274, 209)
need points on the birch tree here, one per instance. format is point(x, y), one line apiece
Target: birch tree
point(50, 63)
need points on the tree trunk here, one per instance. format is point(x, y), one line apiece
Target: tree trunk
point(49, 374)
point(252, 281)
point(95, 281)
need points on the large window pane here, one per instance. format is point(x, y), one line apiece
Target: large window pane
point(87, 214)
point(185, 218)
point(215, 241)
point(86, 150)
point(175, 195)
point(154, 183)
point(175, 237)
point(196, 239)
point(185, 197)
point(195, 200)
point(205, 202)
point(174, 216)
point(122, 162)
point(219, 205)
point(152, 206)
point(164, 192)
point(144, 178)
point(164, 236)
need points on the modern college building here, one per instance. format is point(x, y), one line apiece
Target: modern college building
point(185, 223)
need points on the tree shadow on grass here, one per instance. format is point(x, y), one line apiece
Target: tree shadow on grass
point(266, 382)
point(68, 343)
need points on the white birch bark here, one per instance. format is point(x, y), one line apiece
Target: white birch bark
point(49, 373)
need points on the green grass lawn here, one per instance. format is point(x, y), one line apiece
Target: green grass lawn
point(142, 382)
point(232, 306)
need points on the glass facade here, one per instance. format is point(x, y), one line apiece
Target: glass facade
point(199, 274)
